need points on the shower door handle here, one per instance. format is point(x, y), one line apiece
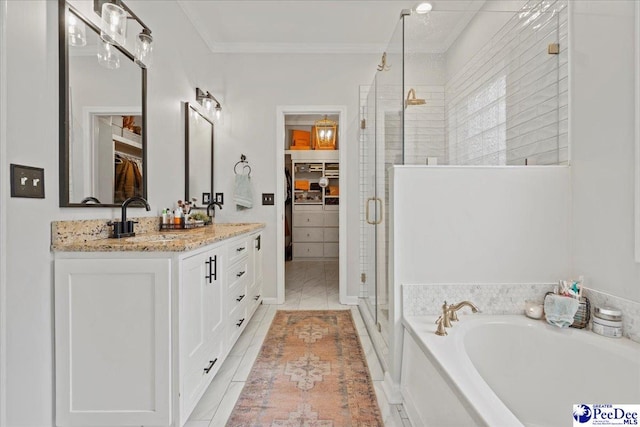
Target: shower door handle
point(378, 199)
point(376, 221)
point(369, 200)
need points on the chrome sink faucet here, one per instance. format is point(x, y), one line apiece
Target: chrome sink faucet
point(124, 228)
point(449, 314)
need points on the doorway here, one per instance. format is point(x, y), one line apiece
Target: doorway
point(311, 230)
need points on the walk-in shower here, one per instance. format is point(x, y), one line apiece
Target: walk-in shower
point(467, 86)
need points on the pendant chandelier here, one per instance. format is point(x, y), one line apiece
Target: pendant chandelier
point(325, 133)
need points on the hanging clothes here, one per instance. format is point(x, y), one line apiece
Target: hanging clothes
point(128, 178)
point(289, 195)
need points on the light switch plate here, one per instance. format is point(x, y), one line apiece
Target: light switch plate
point(219, 198)
point(27, 181)
point(268, 198)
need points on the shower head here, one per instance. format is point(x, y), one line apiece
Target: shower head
point(412, 100)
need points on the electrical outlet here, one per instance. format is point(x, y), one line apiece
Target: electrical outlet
point(268, 198)
point(27, 181)
point(220, 198)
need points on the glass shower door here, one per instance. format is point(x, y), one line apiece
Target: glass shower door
point(381, 147)
point(367, 201)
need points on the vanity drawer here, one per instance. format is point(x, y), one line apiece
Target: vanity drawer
point(307, 234)
point(238, 273)
point(308, 250)
point(238, 250)
point(237, 297)
point(308, 219)
point(237, 322)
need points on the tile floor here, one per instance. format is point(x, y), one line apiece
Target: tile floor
point(309, 285)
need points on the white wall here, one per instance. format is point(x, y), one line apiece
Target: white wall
point(254, 85)
point(480, 225)
point(457, 224)
point(602, 145)
point(32, 139)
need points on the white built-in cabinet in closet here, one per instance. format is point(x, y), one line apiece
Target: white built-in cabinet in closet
point(140, 335)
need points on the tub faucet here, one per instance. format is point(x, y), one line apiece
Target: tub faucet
point(449, 314)
point(453, 308)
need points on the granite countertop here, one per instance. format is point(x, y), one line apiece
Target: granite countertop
point(85, 236)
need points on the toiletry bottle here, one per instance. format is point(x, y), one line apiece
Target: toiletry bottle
point(165, 217)
point(177, 216)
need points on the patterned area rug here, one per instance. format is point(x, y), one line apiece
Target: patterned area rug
point(311, 372)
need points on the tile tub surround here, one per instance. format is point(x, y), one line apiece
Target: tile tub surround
point(93, 236)
point(630, 311)
point(422, 300)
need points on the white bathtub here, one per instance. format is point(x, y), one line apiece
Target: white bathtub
point(508, 371)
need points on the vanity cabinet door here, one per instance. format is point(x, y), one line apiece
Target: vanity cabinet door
point(201, 322)
point(113, 342)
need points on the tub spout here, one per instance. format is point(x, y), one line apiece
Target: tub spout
point(453, 308)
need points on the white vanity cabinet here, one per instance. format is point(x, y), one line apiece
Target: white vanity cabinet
point(139, 336)
point(201, 316)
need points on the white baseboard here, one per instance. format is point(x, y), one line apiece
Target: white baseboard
point(349, 300)
point(270, 301)
point(391, 390)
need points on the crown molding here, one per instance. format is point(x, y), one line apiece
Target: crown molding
point(297, 48)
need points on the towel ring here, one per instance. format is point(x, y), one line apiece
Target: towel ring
point(243, 161)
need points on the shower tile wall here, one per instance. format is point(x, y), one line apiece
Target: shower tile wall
point(510, 102)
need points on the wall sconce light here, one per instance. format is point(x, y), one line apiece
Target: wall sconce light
point(114, 29)
point(209, 102)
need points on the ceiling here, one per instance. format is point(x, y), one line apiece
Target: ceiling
point(314, 26)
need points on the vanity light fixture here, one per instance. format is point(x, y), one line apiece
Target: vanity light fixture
point(207, 101)
point(144, 48)
point(76, 30)
point(115, 14)
point(108, 55)
point(114, 28)
point(424, 7)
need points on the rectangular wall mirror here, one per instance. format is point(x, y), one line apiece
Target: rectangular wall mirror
point(102, 116)
point(198, 155)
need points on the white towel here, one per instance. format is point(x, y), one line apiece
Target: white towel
point(242, 192)
point(560, 310)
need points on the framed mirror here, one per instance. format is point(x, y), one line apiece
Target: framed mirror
point(103, 146)
point(198, 155)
